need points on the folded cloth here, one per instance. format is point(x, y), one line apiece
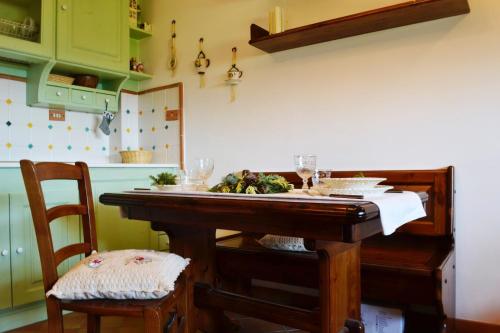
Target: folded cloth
point(396, 209)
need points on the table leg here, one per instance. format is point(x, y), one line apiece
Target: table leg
point(339, 285)
point(199, 245)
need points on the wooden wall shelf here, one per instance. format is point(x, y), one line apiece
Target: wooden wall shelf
point(394, 16)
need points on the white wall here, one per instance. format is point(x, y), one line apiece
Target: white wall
point(421, 96)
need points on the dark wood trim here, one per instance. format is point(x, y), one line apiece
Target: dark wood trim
point(466, 326)
point(130, 92)
point(168, 86)
point(13, 78)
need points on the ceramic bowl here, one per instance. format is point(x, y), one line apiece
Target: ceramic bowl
point(351, 183)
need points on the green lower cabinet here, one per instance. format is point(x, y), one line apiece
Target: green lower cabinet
point(27, 283)
point(5, 280)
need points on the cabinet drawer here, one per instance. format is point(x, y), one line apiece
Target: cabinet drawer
point(111, 99)
point(82, 97)
point(57, 94)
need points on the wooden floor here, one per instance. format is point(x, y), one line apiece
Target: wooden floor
point(75, 323)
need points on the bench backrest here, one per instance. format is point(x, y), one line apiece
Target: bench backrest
point(437, 183)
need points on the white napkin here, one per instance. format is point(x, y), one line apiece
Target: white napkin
point(396, 209)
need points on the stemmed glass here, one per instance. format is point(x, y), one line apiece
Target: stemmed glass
point(305, 166)
point(203, 168)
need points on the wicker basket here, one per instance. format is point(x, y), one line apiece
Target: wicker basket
point(136, 156)
point(61, 79)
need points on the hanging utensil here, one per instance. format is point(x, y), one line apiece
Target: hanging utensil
point(201, 63)
point(107, 118)
point(234, 75)
point(173, 50)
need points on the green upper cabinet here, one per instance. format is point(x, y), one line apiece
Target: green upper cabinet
point(27, 29)
point(93, 33)
point(5, 281)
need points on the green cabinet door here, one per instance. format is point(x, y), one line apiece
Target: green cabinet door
point(113, 231)
point(27, 283)
point(5, 287)
point(93, 33)
point(43, 45)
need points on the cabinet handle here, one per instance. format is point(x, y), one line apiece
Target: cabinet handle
point(59, 93)
point(19, 250)
point(84, 97)
point(4, 253)
point(64, 7)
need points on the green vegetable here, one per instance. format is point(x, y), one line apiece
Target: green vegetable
point(164, 178)
point(250, 183)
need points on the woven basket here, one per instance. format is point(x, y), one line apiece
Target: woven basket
point(136, 156)
point(61, 79)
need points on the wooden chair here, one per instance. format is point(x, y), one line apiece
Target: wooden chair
point(160, 315)
point(413, 269)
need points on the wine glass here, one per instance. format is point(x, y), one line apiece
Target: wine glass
point(305, 166)
point(203, 168)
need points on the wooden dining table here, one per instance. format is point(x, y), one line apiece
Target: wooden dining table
point(333, 228)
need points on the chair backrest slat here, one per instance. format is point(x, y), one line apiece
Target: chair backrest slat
point(71, 250)
point(55, 170)
point(65, 210)
point(33, 175)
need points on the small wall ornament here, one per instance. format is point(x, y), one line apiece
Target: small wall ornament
point(201, 63)
point(234, 75)
point(172, 64)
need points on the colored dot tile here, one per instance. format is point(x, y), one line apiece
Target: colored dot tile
point(141, 113)
point(8, 101)
point(115, 149)
point(87, 148)
point(166, 127)
point(140, 130)
point(30, 146)
point(128, 130)
point(103, 148)
point(69, 147)
point(165, 108)
point(8, 145)
point(8, 123)
point(153, 111)
point(50, 147)
point(128, 148)
point(30, 125)
point(69, 128)
point(87, 129)
point(154, 147)
point(50, 126)
point(153, 129)
point(141, 148)
point(128, 111)
point(167, 146)
point(115, 130)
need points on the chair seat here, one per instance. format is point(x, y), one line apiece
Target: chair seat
point(111, 307)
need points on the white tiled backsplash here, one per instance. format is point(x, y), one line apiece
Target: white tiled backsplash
point(26, 132)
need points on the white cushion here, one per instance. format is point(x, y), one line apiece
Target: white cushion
point(124, 274)
point(284, 243)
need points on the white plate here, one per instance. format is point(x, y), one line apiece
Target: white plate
point(351, 183)
point(168, 188)
point(374, 191)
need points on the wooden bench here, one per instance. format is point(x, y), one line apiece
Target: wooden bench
point(413, 269)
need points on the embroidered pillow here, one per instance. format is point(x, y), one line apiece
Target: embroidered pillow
point(124, 274)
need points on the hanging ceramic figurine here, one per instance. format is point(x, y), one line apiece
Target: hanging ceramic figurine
point(234, 75)
point(173, 51)
point(201, 63)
